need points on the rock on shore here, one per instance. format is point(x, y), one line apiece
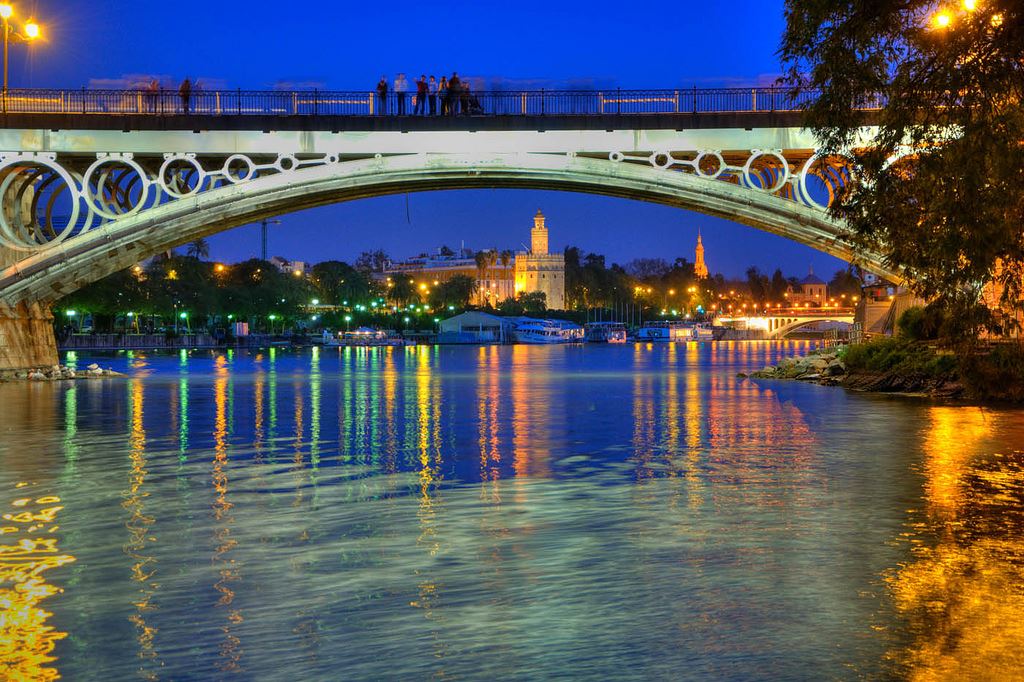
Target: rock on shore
point(828, 368)
point(63, 373)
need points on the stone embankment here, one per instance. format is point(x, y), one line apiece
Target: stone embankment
point(829, 368)
point(62, 373)
point(823, 367)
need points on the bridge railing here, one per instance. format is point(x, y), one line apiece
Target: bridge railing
point(366, 103)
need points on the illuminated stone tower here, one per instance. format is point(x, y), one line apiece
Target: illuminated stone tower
point(539, 236)
point(538, 270)
point(699, 267)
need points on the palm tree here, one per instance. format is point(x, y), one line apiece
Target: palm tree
point(199, 248)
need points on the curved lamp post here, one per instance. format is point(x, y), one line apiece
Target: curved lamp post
point(31, 31)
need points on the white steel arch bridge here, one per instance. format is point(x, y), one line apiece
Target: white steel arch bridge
point(79, 204)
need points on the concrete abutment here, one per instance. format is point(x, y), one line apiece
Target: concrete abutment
point(26, 337)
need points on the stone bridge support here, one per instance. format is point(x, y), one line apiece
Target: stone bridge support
point(26, 337)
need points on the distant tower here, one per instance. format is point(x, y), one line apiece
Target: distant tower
point(539, 236)
point(699, 267)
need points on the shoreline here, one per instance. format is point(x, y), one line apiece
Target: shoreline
point(828, 368)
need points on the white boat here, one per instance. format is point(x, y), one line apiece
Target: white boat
point(605, 332)
point(703, 332)
point(547, 332)
point(664, 332)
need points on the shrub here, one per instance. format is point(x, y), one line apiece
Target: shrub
point(997, 375)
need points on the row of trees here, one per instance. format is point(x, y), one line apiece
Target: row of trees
point(171, 285)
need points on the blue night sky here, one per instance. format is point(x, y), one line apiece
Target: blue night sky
point(348, 45)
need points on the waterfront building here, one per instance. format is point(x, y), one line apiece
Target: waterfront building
point(493, 274)
point(498, 274)
point(700, 268)
point(474, 327)
point(538, 270)
point(813, 290)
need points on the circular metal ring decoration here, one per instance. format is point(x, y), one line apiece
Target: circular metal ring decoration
point(662, 160)
point(770, 176)
point(116, 187)
point(181, 175)
point(834, 173)
point(43, 202)
point(713, 156)
point(239, 168)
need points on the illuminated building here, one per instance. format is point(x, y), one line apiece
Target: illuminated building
point(700, 268)
point(813, 290)
point(498, 274)
point(538, 270)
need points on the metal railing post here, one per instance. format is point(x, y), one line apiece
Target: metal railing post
point(542, 101)
point(618, 101)
point(695, 99)
point(83, 100)
point(238, 102)
point(316, 102)
point(753, 98)
point(677, 101)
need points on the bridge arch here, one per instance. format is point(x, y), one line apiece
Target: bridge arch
point(789, 326)
point(60, 268)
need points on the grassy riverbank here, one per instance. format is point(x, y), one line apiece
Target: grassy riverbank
point(901, 365)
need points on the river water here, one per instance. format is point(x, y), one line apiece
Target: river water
point(507, 513)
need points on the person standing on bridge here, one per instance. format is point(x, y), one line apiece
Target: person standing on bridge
point(382, 96)
point(432, 95)
point(401, 88)
point(442, 93)
point(421, 96)
point(185, 92)
point(454, 90)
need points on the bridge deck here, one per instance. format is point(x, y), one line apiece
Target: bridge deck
point(285, 122)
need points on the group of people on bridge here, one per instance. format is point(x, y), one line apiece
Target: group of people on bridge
point(430, 97)
point(154, 94)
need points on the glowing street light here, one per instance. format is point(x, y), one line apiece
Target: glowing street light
point(943, 19)
point(31, 32)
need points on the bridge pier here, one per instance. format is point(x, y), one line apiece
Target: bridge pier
point(26, 337)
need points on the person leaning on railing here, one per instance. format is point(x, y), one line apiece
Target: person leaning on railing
point(382, 96)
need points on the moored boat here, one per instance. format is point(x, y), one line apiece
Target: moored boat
point(605, 332)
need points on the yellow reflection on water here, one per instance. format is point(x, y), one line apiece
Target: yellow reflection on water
point(430, 511)
point(139, 535)
point(28, 549)
point(230, 645)
point(488, 397)
point(961, 597)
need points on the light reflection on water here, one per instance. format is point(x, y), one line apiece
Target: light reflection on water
point(517, 512)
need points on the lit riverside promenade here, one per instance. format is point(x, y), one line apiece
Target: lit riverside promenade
point(96, 181)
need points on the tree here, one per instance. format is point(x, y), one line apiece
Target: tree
point(456, 291)
point(402, 291)
point(778, 286)
point(758, 284)
point(372, 261)
point(534, 303)
point(648, 269)
point(336, 281)
point(844, 282)
point(199, 248)
point(939, 192)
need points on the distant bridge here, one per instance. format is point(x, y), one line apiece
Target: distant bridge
point(92, 182)
point(779, 324)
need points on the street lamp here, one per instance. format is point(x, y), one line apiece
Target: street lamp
point(32, 31)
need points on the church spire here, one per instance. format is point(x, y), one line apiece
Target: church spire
point(700, 268)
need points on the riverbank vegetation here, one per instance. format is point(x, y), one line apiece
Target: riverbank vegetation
point(938, 190)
